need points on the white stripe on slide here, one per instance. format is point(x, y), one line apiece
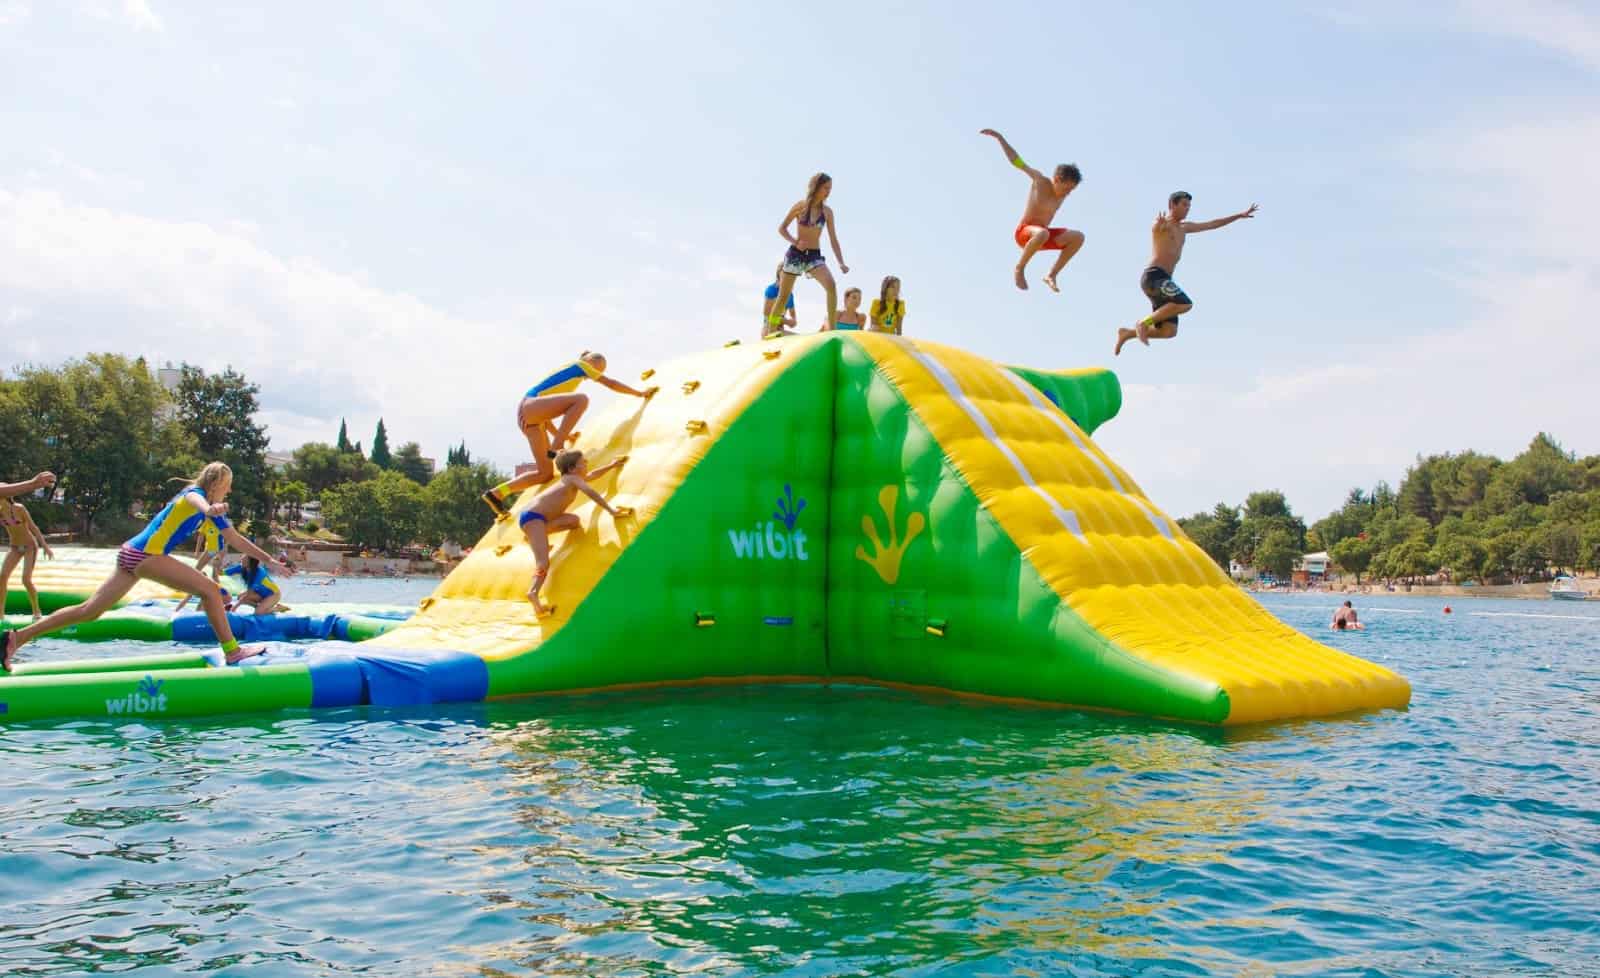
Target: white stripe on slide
point(1054, 413)
point(947, 380)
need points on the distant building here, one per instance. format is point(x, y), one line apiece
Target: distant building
point(278, 461)
point(1311, 568)
point(1241, 572)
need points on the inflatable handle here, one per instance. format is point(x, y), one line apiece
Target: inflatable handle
point(695, 427)
point(690, 386)
point(648, 374)
point(771, 354)
point(730, 343)
point(703, 620)
point(936, 627)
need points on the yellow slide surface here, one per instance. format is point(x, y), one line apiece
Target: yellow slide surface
point(1112, 557)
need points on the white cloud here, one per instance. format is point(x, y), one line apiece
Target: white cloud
point(139, 14)
point(13, 12)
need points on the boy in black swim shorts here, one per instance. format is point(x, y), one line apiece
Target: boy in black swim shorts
point(1167, 300)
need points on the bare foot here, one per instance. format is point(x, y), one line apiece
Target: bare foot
point(1022, 280)
point(1123, 336)
point(1143, 333)
point(1050, 281)
point(540, 609)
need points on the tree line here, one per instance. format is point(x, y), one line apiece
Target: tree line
point(116, 437)
point(1470, 515)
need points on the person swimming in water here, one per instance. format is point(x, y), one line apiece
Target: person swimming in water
point(556, 398)
point(888, 309)
point(769, 300)
point(548, 514)
point(1045, 197)
point(1168, 301)
point(850, 317)
point(1345, 618)
point(26, 545)
point(148, 556)
point(804, 257)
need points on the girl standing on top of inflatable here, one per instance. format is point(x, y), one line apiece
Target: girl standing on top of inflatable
point(148, 556)
point(26, 542)
point(888, 309)
point(804, 256)
point(552, 399)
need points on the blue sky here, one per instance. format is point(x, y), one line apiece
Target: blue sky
point(416, 209)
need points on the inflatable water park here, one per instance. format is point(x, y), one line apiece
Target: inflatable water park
point(845, 508)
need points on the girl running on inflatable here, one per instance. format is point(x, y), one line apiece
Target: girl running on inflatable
point(148, 556)
point(804, 256)
point(547, 416)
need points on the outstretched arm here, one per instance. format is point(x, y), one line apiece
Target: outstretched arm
point(599, 500)
point(622, 388)
point(612, 465)
point(1012, 156)
point(41, 481)
point(1221, 222)
point(833, 236)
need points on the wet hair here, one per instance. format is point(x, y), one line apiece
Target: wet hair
point(1347, 604)
point(1178, 195)
point(814, 185)
point(883, 296)
point(1339, 625)
point(209, 475)
point(568, 460)
point(251, 565)
point(1069, 171)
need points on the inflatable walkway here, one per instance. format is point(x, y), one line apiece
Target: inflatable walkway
point(842, 507)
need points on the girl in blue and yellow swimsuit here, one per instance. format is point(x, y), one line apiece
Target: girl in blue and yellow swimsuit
point(260, 590)
point(547, 416)
point(148, 556)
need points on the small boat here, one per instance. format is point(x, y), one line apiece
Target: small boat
point(1567, 589)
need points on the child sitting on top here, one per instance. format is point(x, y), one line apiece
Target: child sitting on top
point(888, 309)
point(850, 317)
point(548, 514)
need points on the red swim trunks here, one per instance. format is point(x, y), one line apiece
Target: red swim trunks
point(1055, 242)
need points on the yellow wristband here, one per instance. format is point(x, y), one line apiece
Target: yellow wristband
point(1017, 162)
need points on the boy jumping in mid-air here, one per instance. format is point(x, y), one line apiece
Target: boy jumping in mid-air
point(547, 416)
point(548, 514)
point(1045, 197)
point(1167, 299)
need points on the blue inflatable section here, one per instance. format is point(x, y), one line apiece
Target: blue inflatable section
point(269, 628)
point(344, 676)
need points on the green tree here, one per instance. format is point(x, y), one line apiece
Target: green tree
point(1563, 544)
point(343, 445)
point(1410, 559)
point(219, 410)
point(380, 448)
point(453, 510)
point(288, 497)
point(320, 465)
point(408, 462)
point(1353, 555)
point(458, 455)
point(1277, 551)
point(381, 514)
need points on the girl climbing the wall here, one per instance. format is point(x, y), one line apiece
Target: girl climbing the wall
point(26, 544)
point(850, 316)
point(148, 556)
point(547, 416)
point(804, 257)
point(548, 515)
point(888, 309)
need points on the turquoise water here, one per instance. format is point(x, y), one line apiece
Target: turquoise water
point(843, 831)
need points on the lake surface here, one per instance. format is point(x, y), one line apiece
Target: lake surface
point(835, 830)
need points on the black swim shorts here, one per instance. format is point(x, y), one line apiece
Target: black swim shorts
point(1160, 289)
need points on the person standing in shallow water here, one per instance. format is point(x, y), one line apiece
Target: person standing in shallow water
point(1167, 300)
point(804, 257)
point(1045, 197)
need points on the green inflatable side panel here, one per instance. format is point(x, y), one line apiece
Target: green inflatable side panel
point(136, 696)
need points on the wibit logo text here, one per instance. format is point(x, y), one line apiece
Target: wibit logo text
point(147, 698)
point(777, 539)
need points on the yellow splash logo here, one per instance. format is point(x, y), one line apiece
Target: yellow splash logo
point(886, 560)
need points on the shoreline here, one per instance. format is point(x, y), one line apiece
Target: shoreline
point(1536, 591)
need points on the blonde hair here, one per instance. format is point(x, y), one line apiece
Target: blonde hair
point(592, 356)
point(209, 475)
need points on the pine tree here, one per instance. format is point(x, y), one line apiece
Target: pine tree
point(344, 439)
point(380, 447)
point(458, 456)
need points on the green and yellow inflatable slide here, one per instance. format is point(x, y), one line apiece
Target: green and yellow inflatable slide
point(846, 507)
